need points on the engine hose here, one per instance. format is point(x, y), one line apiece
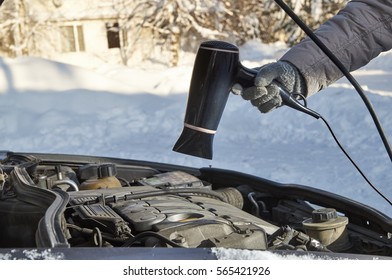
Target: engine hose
point(256, 210)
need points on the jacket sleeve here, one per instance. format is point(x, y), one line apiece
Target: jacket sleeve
point(356, 35)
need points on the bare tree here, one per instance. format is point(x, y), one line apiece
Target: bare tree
point(19, 28)
point(10, 28)
point(170, 25)
point(176, 23)
point(265, 20)
point(171, 22)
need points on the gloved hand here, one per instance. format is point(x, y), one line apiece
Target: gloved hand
point(265, 94)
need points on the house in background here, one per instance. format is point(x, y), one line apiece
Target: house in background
point(81, 26)
point(49, 28)
point(131, 30)
point(134, 30)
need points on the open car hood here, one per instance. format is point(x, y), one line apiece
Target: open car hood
point(84, 207)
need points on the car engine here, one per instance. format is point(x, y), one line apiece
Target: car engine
point(79, 203)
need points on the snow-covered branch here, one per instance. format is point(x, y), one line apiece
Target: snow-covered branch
point(168, 24)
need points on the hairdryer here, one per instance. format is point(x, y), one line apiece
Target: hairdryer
point(216, 70)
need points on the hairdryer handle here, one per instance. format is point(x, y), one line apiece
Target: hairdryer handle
point(246, 77)
point(289, 100)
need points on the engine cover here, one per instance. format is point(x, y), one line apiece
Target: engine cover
point(190, 220)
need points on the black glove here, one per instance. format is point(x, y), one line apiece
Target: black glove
point(265, 94)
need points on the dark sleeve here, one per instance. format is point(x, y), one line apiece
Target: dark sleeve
point(356, 35)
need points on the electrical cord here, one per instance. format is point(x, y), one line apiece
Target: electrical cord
point(352, 161)
point(290, 101)
point(342, 68)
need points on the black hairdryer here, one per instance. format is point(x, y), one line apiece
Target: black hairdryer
point(217, 68)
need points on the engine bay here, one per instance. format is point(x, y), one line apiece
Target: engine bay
point(51, 201)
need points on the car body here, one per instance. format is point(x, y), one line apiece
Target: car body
point(85, 207)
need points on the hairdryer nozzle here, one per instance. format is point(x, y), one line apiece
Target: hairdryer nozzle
point(195, 143)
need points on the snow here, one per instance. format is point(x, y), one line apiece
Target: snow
point(32, 254)
point(241, 254)
point(98, 108)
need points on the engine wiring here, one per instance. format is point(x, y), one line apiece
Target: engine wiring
point(354, 83)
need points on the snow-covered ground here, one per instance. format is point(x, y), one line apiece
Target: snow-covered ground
point(106, 109)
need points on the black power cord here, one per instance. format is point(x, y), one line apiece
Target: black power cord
point(352, 161)
point(291, 100)
point(351, 79)
point(342, 68)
